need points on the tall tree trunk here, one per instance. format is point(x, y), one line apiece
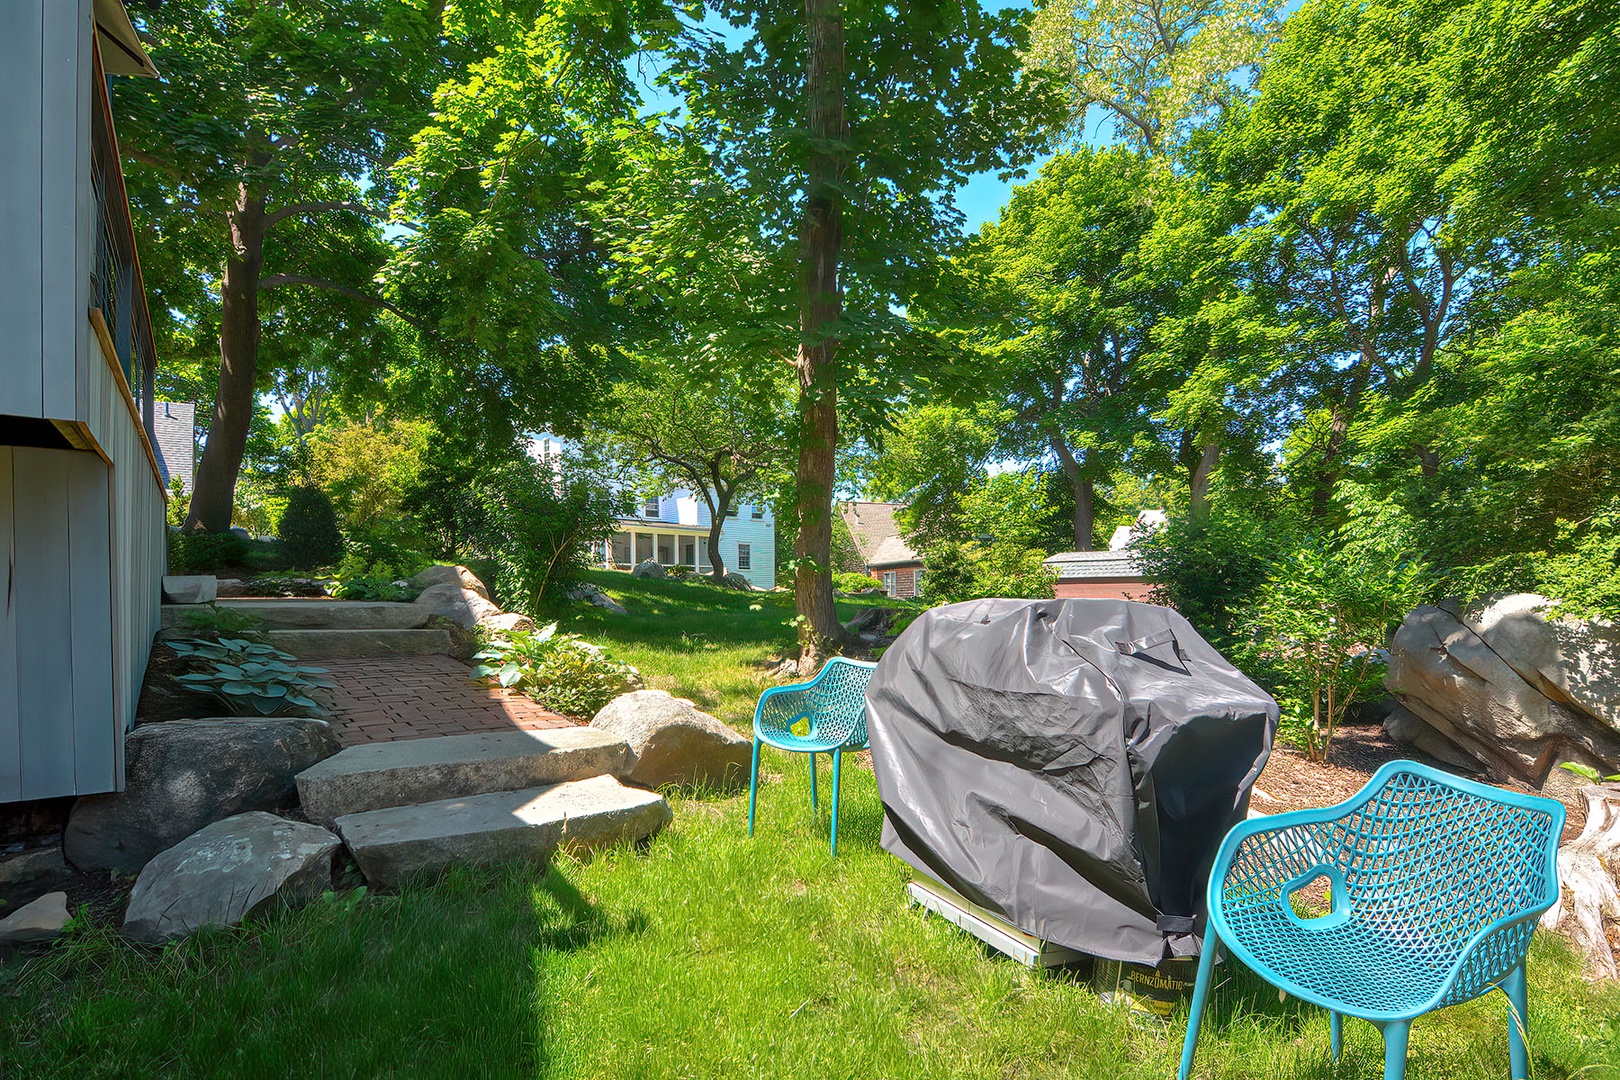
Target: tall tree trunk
point(1198, 498)
point(215, 488)
point(820, 241)
point(1084, 494)
point(1344, 414)
point(717, 522)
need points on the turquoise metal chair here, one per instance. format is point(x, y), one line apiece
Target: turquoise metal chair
point(832, 707)
point(1436, 884)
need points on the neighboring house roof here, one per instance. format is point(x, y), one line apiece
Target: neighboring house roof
point(174, 424)
point(876, 533)
point(1094, 565)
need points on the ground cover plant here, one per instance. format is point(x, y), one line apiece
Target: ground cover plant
point(707, 954)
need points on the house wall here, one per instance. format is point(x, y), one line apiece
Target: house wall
point(47, 210)
point(905, 581)
point(682, 507)
point(82, 537)
point(1105, 589)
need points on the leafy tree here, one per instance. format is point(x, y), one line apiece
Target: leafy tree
point(259, 160)
point(1209, 568)
point(1157, 67)
point(969, 570)
point(723, 439)
point(367, 469)
point(932, 458)
point(839, 131)
point(1072, 316)
point(308, 529)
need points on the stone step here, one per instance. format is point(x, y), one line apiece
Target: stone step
point(356, 644)
point(312, 614)
point(395, 843)
point(378, 775)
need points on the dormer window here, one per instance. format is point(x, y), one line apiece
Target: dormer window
point(731, 511)
point(650, 507)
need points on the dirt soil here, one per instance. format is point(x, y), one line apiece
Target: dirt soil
point(164, 699)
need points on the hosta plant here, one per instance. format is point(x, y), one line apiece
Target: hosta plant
point(251, 677)
point(561, 671)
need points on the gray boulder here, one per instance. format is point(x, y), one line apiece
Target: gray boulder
point(649, 569)
point(38, 864)
point(225, 871)
point(590, 594)
point(40, 920)
point(459, 576)
point(184, 774)
point(190, 588)
point(734, 580)
point(672, 742)
point(1510, 692)
point(509, 622)
point(872, 620)
point(462, 606)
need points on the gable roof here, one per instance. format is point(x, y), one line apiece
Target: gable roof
point(174, 423)
point(876, 533)
point(1094, 565)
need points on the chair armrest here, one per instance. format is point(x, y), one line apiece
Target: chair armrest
point(1283, 847)
point(1489, 956)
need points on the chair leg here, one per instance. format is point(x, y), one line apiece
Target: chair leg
point(836, 755)
point(753, 787)
point(1395, 1033)
point(1518, 1022)
point(1206, 975)
point(812, 781)
point(1335, 1033)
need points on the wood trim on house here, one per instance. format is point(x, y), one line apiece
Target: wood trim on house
point(110, 355)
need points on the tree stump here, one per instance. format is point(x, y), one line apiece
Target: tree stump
point(1587, 869)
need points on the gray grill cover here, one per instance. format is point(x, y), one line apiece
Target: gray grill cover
point(1071, 765)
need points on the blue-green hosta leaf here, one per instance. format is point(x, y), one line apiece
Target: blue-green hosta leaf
point(511, 675)
point(196, 678)
point(239, 689)
point(275, 690)
point(265, 705)
point(304, 703)
point(483, 671)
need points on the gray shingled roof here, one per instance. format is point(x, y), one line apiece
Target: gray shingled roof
point(1094, 565)
point(875, 532)
point(174, 424)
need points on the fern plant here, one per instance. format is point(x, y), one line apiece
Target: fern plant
point(251, 677)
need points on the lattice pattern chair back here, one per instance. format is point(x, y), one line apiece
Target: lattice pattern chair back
point(1435, 883)
point(832, 711)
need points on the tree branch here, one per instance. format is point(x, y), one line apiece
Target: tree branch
point(276, 280)
point(294, 209)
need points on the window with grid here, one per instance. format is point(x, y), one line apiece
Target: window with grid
point(745, 557)
point(889, 578)
point(650, 507)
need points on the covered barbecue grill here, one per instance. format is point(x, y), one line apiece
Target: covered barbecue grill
point(1069, 765)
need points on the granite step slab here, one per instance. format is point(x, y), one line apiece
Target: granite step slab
point(293, 614)
point(393, 844)
point(374, 776)
point(360, 644)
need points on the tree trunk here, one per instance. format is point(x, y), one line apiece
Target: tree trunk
point(1587, 867)
point(820, 303)
point(1084, 493)
point(1344, 415)
point(717, 522)
point(1198, 498)
point(214, 494)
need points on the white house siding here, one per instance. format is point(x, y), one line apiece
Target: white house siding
point(679, 535)
point(677, 532)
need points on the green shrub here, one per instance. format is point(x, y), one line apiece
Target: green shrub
point(561, 671)
point(252, 677)
point(1318, 629)
point(958, 571)
point(846, 582)
point(204, 553)
point(1211, 569)
point(360, 578)
point(308, 529)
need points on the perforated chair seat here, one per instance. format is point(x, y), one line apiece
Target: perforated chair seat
point(1436, 884)
point(831, 710)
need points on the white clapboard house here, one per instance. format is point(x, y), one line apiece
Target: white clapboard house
point(671, 528)
point(81, 493)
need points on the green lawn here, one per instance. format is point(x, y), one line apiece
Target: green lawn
point(696, 641)
point(705, 954)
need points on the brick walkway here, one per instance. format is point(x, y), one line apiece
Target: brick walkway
point(385, 699)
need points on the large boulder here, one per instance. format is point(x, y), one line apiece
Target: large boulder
point(509, 622)
point(184, 774)
point(734, 580)
point(464, 607)
point(450, 575)
point(648, 569)
point(873, 621)
point(190, 588)
point(672, 742)
point(1507, 689)
point(225, 871)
